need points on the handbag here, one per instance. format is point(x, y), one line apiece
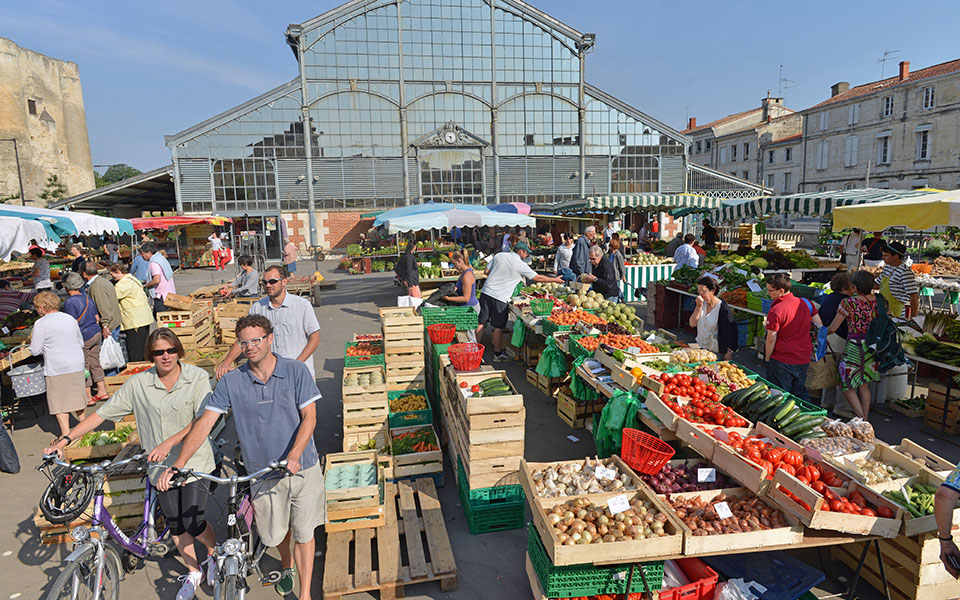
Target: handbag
point(824, 373)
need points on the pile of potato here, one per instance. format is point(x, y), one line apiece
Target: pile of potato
point(749, 514)
point(408, 403)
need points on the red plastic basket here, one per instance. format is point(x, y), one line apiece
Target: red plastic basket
point(703, 581)
point(466, 357)
point(644, 453)
point(441, 333)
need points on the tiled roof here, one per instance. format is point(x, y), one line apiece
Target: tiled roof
point(952, 66)
point(790, 138)
point(723, 121)
point(758, 125)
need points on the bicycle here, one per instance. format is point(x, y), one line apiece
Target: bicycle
point(93, 569)
point(240, 553)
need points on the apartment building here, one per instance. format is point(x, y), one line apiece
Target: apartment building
point(734, 144)
point(781, 160)
point(902, 132)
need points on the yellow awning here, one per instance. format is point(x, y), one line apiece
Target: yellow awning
point(918, 214)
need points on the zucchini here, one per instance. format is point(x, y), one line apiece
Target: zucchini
point(793, 414)
point(802, 424)
point(812, 435)
point(769, 403)
point(785, 408)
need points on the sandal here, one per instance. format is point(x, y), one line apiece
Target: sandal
point(101, 397)
point(92, 401)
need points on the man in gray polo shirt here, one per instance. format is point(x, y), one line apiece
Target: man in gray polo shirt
point(295, 325)
point(273, 400)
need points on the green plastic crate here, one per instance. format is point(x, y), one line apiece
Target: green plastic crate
point(464, 317)
point(587, 580)
point(550, 328)
point(489, 509)
point(576, 350)
point(435, 354)
point(360, 361)
point(412, 417)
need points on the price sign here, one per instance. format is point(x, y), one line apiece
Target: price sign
point(753, 286)
point(741, 271)
point(634, 350)
point(723, 511)
point(619, 504)
point(426, 264)
point(605, 473)
point(706, 475)
point(5, 331)
point(466, 392)
point(704, 377)
point(444, 265)
point(713, 275)
point(759, 587)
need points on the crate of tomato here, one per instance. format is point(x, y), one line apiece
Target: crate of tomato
point(690, 398)
point(363, 354)
point(752, 459)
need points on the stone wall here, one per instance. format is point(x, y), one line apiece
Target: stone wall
point(41, 106)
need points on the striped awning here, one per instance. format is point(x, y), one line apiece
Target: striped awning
point(811, 204)
point(636, 202)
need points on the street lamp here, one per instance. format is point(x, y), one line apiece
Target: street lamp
point(16, 155)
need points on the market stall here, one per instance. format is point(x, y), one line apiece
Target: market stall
point(16, 235)
point(194, 229)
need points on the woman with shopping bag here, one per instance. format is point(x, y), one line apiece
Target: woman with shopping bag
point(79, 306)
point(858, 367)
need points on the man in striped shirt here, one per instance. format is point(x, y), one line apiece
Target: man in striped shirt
point(900, 279)
point(11, 299)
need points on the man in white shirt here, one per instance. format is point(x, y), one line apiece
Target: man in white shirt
point(685, 254)
point(504, 272)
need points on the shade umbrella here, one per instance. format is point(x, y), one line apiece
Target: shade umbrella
point(918, 214)
point(70, 222)
point(520, 208)
point(457, 217)
point(16, 235)
point(428, 207)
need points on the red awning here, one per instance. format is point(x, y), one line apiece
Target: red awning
point(171, 222)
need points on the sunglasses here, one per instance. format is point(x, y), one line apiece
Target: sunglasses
point(271, 281)
point(158, 353)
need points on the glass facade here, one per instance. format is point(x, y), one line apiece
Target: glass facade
point(381, 78)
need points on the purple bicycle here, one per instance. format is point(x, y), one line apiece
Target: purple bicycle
point(94, 569)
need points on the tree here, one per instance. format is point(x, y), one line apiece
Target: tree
point(115, 173)
point(54, 190)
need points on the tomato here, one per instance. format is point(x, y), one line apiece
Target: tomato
point(830, 494)
point(793, 457)
point(475, 388)
point(811, 472)
point(712, 388)
point(735, 436)
point(818, 486)
point(885, 512)
point(803, 479)
point(867, 512)
point(825, 507)
point(753, 454)
point(788, 469)
point(836, 506)
point(857, 498)
point(464, 384)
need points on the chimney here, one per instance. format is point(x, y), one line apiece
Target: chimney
point(841, 87)
point(692, 123)
point(904, 70)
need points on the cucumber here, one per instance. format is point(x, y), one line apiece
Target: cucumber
point(802, 424)
point(733, 398)
point(812, 435)
point(793, 414)
point(769, 403)
point(785, 408)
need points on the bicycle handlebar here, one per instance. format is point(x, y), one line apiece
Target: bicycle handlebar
point(102, 466)
point(182, 474)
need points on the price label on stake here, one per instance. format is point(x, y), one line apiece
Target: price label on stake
point(723, 511)
point(753, 286)
point(5, 331)
point(605, 473)
point(706, 475)
point(618, 504)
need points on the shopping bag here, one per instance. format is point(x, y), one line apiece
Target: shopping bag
point(519, 333)
point(111, 354)
point(578, 387)
point(552, 363)
point(409, 301)
point(619, 412)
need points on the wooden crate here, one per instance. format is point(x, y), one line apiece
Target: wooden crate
point(911, 564)
point(232, 309)
point(372, 411)
point(484, 405)
point(738, 542)
point(815, 518)
point(406, 378)
point(913, 526)
point(114, 382)
point(527, 469)
point(402, 329)
point(74, 452)
point(186, 303)
point(910, 413)
point(748, 473)
point(356, 393)
point(924, 457)
point(184, 319)
point(358, 435)
point(884, 453)
point(16, 356)
point(404, 356)
point(357, 507)
point(414, 522)
point(608, 552)
point(417, 463)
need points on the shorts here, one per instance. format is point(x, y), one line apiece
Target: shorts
point(295, 502)
point(291, 267)
point(493, 311)
point(183, 507)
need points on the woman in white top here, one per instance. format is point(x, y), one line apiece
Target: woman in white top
point(56, 336)
point(716, 329)
point(564, 253)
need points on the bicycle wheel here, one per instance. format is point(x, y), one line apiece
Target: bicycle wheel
point(232, 587)
point(67, 496)
point(77, 581)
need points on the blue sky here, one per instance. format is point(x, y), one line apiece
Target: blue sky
point(155, 68)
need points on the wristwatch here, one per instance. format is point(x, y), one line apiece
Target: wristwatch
point(945, 539)
point(66, 437)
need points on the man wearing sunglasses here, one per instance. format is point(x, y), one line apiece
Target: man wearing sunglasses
point(295, 326)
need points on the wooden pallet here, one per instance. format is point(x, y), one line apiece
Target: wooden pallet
point(414, 521)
